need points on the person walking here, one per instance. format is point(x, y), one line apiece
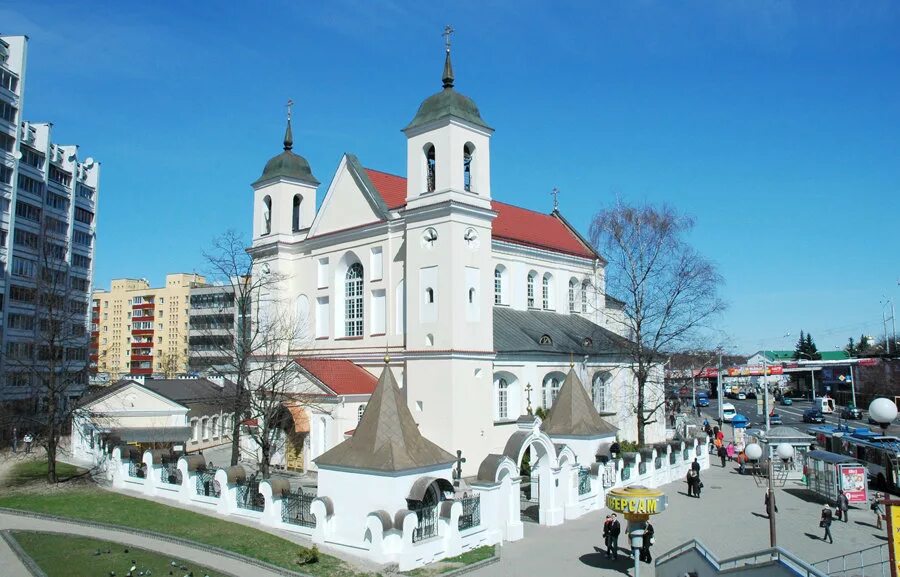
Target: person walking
point(646, 542)
point(825, 523)
point(27, 439)
point(771, 505)
point(614, 450)
point(741, 459)
point(695, 466)
point(694, 484)
point(877, 509)
point(606, 523)
point(844, 504)
point(612, 544)
point(723, 453)
point(729, 450)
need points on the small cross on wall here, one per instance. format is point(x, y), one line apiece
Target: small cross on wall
point(457, 473)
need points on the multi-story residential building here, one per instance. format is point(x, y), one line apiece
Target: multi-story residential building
point(48, 199)
point(213, 328)
point(139, 330)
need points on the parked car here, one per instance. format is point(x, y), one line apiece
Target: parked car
point(813, 416)
point(742, 396)
point(751, 394)
point(775, 419)
point(702, 401)
point(851, 411)
point(728, 412)
point(787, 401)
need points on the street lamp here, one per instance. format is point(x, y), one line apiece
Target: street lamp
point(785, 452)
point(812, 373)
point(883, 411)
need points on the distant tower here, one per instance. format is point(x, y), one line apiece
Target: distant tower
point(284, 197)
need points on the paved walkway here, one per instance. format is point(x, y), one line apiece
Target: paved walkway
point(212, 560)
point(728, 518)
point(12, 566)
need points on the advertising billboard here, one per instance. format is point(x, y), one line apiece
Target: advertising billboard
point(853, 480)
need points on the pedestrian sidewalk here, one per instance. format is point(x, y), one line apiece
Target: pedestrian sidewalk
point(729, 518)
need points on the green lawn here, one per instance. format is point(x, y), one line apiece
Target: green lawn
point(453, 563)
point(29, 471)
point(94, 504)
point(69, 556)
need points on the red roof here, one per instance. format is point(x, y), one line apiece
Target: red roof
point(513, 223)
point(341, 376)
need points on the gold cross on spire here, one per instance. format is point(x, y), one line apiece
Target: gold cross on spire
point(290, 106)
point(448, 30)
point(555, 194)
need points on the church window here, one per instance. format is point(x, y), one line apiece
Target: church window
point(295, 217)
point(267, 215)
point(429, 295)
point(471, 296)
point(468, 149)
point(546, 340)
point(546, 295)
point(430, 167)
point(584, 295)
point(600, 389)
point(552, 384)
point(359, 413)
point(572, 285)
point(215, 427)
point(498, 286)
point(531, 276)
point(429, 237)
point(502, 399)
point(354, 301)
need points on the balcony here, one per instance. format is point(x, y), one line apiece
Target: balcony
point(146, 371)
point(144, 305)
point(138, 358)
point(142, 332)
point(143, 319)
point(142, 345)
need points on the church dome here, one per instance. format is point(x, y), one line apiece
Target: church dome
point(447, 102)
point(287, 164)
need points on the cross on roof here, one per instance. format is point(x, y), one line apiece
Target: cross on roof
point(457, 473)
point(528, 394)
point(555, 194)
point(290, 106)
point(448, 30)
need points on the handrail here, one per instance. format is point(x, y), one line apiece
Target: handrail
point(860, 552)
point(769, 555)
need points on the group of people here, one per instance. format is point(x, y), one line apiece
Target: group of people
point(693, 480)
point(841, 512)
point(27, 441)
point(611, 531)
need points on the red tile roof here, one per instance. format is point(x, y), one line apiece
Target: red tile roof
point(513, 224)
point(341, 376)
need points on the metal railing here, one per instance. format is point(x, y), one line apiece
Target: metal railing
point(673, 457)
point(295, 509)
point(206, 484)
point(248, 496)
point(426, 527)
point(626, 472)
point(136, 470)
point(609, 475)
point(471, 512)
point(168, 474)
point(584, 481)
point(870, 562)
point(765, 556)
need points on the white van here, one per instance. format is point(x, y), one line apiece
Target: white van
point(728, 412)
point(825, 404)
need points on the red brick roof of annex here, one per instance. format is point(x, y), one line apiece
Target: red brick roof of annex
point(340, 375)
point(513, 224)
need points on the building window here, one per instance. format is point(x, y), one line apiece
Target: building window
point(267, 215)
point(359, 413)
point(531, 276)
point(430, 167)
point(194, 431)
point(205, 428)
point(215, 426)
point(599, 389)
point(545, 291)
point(584, 293)
point(354, 301)
point(498, 286)
point(468, 149)
point(552, 384)
point(502, 399)
point(295, 216)
point(429, 295)
point(471, 296)
point(572, 285)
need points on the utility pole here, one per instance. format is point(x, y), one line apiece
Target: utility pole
point(766, 406)
point(853, 385)
point(719, 390)
point(773, 542)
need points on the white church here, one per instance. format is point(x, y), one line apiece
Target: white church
point(482, 306)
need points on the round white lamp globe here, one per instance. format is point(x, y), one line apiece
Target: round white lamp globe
point(784, 451)
point(883, 411)
point(753, 451)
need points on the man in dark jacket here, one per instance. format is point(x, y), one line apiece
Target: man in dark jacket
point(646, 541)
point(606, 525)
point(844, 505)
point(612, 543)
point(723, 454)
point(695, 466)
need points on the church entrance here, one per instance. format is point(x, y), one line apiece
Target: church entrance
point(293, 450)
point(294, 424)
point(535, 471)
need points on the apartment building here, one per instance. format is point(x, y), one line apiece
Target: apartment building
point(213, 327)
point(48, 200)
point(137, 329)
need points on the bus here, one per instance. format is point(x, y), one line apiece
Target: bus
point(879, 453)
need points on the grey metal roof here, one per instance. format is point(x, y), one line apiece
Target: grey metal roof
point(447, 102)
point(387, 437)
point(518, 331)
point(152, 434)
point(288, 164)
point(573, 414)
point(200, 396)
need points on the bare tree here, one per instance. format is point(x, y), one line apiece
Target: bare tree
point(669, 290)
point(255, 349)
point(171, 364)
point(52, 364)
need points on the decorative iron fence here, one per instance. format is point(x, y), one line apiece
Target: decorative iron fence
point(673, 457)
point(471, 512)
point(248, 496)
point(584, 481)
point(609, 475)
point(295, 509)
point(206, 484)
point(642, 468)
point(426, 527)
point(686, 454)
point(169, 474)
point(136, 470)
point(658, 462)
point(626, 473)
point(697, 450)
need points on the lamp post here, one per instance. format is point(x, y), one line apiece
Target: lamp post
point(812, 374)
point(784, 452)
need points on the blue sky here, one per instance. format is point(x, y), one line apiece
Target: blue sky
point(773, 123)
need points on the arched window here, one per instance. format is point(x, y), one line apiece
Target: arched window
point(573, 284)
point(353, 291)
point(267, 215)
point(584, 293)
point(599, 390)
point(295, 216)
point(359, 413)
point(498, 286)
point(502, 399)
point(195, 432)
point(215, 426)
point(468, 150)
point(471, 296)
point(546, 295)
point(531, 276)
point(204, 428)
point(552, 384)
point(430, 167)
point(429, 295)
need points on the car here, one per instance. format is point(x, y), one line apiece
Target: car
point(851, 411)
point(775, 419)
point(702, 401)
point(728, 412)
point(813, 416)
point(742, 396)
point(787, 401)
point(751, 394)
